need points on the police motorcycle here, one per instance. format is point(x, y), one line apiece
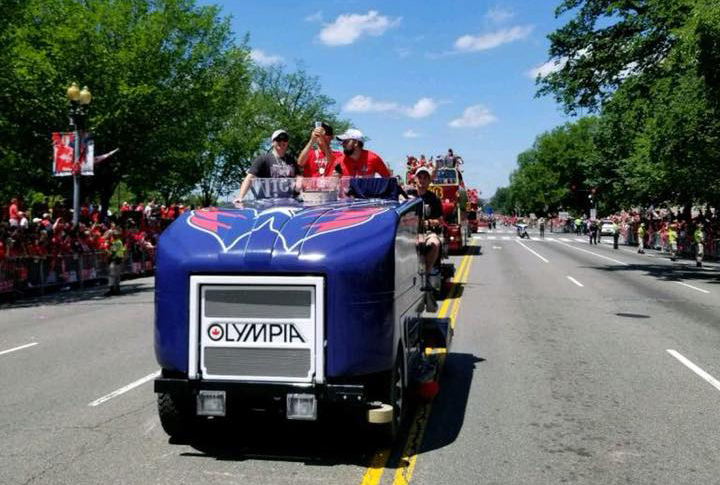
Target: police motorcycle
point(521, 229)
point(307, 297)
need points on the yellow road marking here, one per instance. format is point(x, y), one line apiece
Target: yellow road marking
point(376, 468)
point(405, 469)
point(374, 472)
point(456, 303)
point(451, 297)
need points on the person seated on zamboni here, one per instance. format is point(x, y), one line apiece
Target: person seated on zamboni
point(433, 222)
point(276, 163)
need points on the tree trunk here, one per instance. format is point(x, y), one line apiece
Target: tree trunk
point(687, 212)
point(106, 193)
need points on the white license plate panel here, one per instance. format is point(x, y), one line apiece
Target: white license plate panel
point(256, 332)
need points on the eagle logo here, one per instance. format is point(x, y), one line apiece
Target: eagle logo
point(229, 227)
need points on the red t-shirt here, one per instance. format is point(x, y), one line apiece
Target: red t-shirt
point(13, 212)
point(367, 165)
point(317, 164)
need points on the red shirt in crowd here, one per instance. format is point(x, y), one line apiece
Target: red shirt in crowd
point(13, 212)
point(317, 164)
point(367, 165)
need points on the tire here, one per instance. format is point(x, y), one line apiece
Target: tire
point(397, 396)
point(177, 415)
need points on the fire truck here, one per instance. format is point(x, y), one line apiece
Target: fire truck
point(448, 185)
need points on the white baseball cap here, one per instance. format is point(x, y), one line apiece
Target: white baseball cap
point(351, 134)
point(423, 169)
point(277, 133)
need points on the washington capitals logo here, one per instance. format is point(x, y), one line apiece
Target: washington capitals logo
point(231, 227)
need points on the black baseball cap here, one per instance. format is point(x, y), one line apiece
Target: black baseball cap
point(328, 129)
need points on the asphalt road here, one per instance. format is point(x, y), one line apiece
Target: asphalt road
point(571, 364)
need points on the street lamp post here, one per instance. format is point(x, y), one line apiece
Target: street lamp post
point(79, 101)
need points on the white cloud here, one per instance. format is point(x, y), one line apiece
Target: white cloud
point(348, 28)
point(315, 17)
point(366, 104)
point(474, 43)
point(499, 15)
point(474, 117)
point(409, 133)
point(424, 107)
point(554, 65)
point(543, 70)
point(260, 57)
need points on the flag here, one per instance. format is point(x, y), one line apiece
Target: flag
point(102, 157)
point(64, 152)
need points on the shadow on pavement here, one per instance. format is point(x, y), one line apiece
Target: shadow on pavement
point(337, 440)
point(665, 272)
point(474, 250)
point(449, 407)
point(322, 443)
point(75, 295)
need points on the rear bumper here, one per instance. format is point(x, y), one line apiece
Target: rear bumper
point(269, 397)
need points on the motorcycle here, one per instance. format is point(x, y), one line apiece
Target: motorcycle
point(522, 231)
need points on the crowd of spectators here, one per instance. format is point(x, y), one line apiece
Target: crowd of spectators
point(48, 231)
point(656, 224)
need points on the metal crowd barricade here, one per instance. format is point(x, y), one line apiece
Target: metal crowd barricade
point(7, 275)
point(20, 276)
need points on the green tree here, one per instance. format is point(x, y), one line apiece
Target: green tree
point(558, 171)
point(607, 42)
point(160, 71)
point(501, 201)
point(649, 67)
point(294, 101)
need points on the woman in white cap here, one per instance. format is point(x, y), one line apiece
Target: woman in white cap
point(276, 163)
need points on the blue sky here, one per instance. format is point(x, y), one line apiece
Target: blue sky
point(420, 77)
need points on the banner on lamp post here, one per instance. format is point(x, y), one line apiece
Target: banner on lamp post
point(64, 152)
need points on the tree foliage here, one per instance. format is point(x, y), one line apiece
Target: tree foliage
point(172, 88)
point(649, 69)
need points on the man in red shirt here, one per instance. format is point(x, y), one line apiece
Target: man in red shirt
point(13, 212)
point(358, 162)
point(318, 161)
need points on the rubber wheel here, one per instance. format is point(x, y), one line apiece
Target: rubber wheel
point(177, 415)
point(397, 396)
